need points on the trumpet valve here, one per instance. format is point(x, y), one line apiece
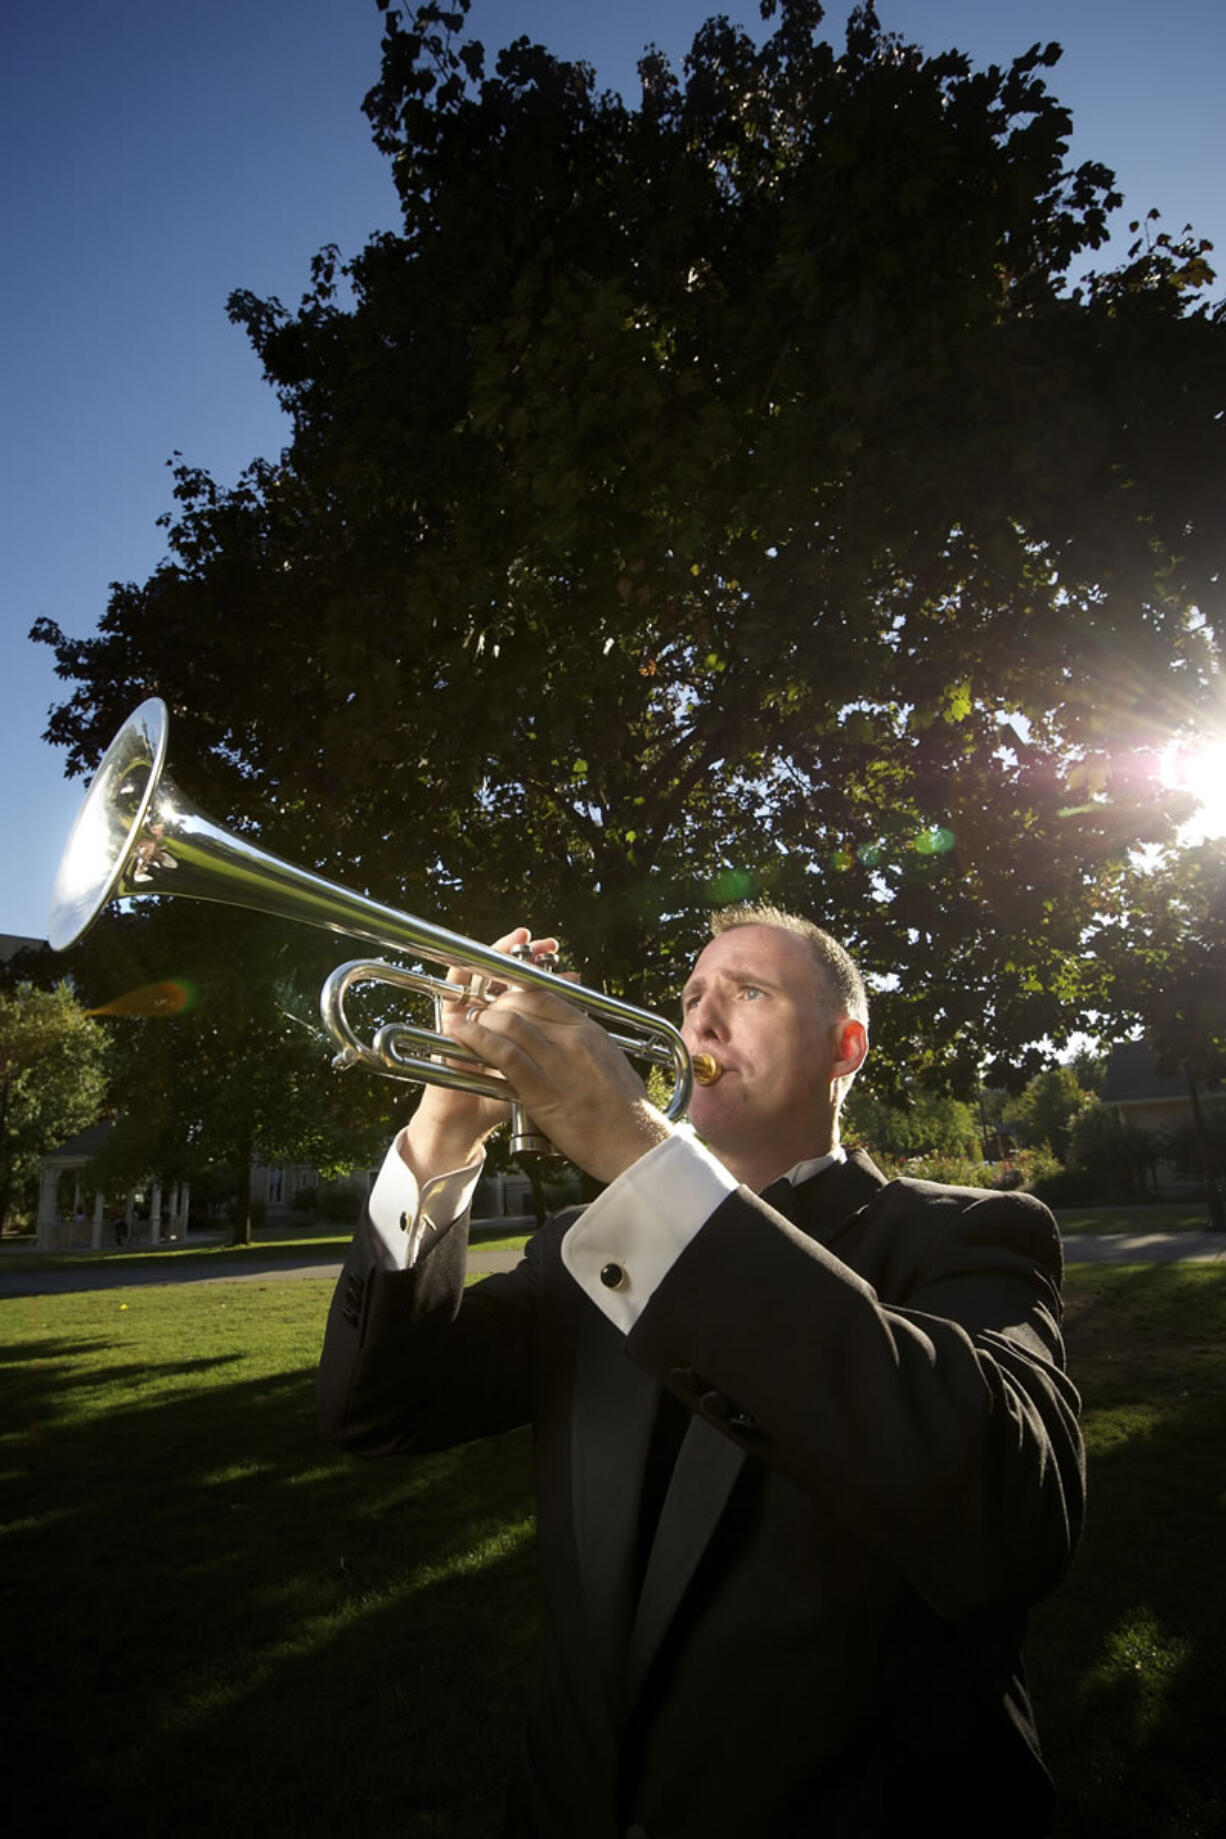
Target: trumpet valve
point(707, 1069)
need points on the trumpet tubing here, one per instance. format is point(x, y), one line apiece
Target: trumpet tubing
point(136, 834)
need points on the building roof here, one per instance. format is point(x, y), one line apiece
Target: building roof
point(1132, 1077)
point(86, 1142)
point(13, 942)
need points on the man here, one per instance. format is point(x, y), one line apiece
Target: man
point(804, 1456)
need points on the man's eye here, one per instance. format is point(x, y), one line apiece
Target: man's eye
point(751, 992)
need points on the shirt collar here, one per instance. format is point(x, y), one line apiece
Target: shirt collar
point(804, 1170)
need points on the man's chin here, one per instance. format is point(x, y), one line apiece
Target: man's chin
point(714, 1106)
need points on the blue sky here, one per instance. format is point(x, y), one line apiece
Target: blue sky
point(158, 153)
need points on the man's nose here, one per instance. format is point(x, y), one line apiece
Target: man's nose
point(707, 1019)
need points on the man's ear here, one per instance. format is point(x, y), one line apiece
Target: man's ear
point(851, 1046)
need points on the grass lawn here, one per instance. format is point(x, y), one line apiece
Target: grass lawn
point(217, 1623)
point(324, 1243)
point(1158, 1216)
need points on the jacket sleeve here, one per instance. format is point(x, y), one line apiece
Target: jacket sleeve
point(412, 1360)
point(928, 1409)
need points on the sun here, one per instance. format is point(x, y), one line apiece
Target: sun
point(1200, 770)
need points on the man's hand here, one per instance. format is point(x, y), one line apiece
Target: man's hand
point(448, 1127)
point(577, 1087)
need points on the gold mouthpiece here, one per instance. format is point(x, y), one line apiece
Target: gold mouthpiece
point(707, 1069)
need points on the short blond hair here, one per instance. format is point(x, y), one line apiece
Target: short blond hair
point(838, 972)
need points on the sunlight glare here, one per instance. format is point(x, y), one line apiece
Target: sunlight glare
point(1201, 771)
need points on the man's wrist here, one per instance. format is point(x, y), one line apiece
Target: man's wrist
point(645, 1129)
point(430, 1150)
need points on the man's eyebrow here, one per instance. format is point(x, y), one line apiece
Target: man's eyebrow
point(731, 973)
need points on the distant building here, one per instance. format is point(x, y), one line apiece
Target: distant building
point(1140, 1093)
point(13, 942)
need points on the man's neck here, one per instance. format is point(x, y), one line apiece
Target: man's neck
point(756, 1172)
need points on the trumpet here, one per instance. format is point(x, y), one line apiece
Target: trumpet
point(136, 835)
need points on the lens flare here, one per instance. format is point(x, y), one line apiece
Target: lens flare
point(731, 885)
point(151, 1000)
point(935, 841)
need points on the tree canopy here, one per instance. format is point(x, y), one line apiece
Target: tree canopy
point(734, 492)
point(52, 1081)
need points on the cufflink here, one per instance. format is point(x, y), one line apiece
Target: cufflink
point(612, 1276)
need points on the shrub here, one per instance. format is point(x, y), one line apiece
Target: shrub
point(339, 1202)
point(1112, 1157)
point(929, 1125)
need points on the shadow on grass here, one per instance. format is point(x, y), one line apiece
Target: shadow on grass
point(219, 1624)
point(1126, 1658)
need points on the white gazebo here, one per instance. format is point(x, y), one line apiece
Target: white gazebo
point(80, 1224)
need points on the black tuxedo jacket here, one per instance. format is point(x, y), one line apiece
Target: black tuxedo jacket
point(882, 1470)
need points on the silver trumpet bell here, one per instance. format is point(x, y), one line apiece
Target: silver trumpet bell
point(136, 834)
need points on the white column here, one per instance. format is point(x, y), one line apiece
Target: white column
point(155, 1214)
point(96, 1236)
point(48, 1219)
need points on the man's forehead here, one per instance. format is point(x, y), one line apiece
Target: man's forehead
point(768, 952)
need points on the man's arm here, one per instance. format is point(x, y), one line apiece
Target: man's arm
point(411, 1361)
point(927, 1409)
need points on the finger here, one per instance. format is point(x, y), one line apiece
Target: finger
point(519, 936)
point(539, 948)
point(501, 1039)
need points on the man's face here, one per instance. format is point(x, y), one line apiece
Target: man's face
point(757, 1001)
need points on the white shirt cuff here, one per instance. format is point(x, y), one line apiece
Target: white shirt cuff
point(637, 1229)
point(403, 1215)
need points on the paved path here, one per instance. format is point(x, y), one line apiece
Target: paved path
point(258, 1267)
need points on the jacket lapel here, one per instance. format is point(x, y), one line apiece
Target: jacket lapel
point(615, 1413)
point(707, 1466)
point(826, 1207)
point(611, 1425)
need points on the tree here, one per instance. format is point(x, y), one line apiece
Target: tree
point(724, 494)
point(217, 1069)
point(1113, 1156)
point(1089, 1067)
point(928, 1124)
point(52, 1081)
point(1048, 1108)
point(1162, 944)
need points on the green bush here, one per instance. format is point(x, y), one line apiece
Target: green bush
point(1026, 1169)
point(1181, 1146)
point(930, 1125)
point(339, 1202)
point(951, 1171)
point(1112, 1157)
point(1047, 1109)
point(563, 1188)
